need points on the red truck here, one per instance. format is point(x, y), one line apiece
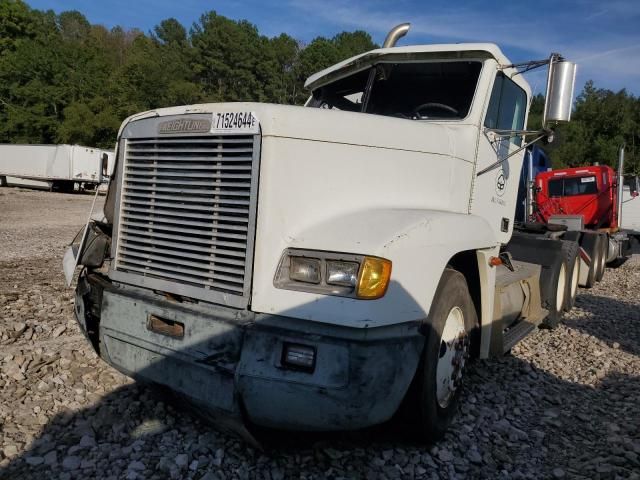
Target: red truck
point(586, 192)
point(588, 201)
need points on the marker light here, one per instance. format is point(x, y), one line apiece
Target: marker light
point(299, 357)
point(374, 278)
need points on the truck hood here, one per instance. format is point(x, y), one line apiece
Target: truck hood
point(332, 126)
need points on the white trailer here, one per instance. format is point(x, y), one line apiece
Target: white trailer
point(56, 167)
point(372, 265)
point(630, 218)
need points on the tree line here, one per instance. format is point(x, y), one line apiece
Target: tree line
point(602, 121)
point(64, 80)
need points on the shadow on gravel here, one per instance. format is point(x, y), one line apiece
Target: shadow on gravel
point(624, 331)
point(515, 421)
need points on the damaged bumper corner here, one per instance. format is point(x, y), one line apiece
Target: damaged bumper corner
point(229, 362)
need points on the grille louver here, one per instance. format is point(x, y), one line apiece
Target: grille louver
point(187, 213)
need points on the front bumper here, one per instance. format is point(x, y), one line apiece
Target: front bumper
point(230, 360)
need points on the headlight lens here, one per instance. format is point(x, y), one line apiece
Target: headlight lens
point(304, 270)
point(342, 273)
point(332, 273)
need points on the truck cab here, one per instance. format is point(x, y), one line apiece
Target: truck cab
point(317, 267)
point(589, 192)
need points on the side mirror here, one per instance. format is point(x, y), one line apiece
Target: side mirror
point(560, 85)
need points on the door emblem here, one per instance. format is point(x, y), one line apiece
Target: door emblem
point(501, 183)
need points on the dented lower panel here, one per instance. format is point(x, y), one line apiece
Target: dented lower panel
point(231, 361)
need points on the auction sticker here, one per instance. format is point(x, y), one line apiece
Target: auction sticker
point(235, 122)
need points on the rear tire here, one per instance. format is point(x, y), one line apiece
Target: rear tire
point(602, 264)
point(3, 181)
point(556, 303)
point(449, 326)
point(592, 248)
point(570, 249)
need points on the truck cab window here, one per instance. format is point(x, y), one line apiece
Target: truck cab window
point(507, 107)
point(568, 187)
point(417, 91)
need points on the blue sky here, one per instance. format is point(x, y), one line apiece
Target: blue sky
point(602, 36)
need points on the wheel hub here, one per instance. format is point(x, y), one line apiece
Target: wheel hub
point(453, 354)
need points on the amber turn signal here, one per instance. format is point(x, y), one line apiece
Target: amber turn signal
point(495, 261)
point(373, 280)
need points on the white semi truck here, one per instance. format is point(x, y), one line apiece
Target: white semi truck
point(317, 267)
point(55, 167)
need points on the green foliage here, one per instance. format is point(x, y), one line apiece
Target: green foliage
point(63, 80)
point(601, 122)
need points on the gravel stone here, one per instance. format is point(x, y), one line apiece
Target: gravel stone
point(474, 457)
point(87, 441)
point(33, 461)
point(59, 330)
point(71, 462)
point(51, 458)
point(561, 405)
point(136, 465)
point(445, 455)
point(10, 451)
point(182, 460)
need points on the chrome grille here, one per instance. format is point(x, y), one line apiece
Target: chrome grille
point(187, 210)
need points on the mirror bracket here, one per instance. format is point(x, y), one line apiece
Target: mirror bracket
point(532, 64)
point(560, 86)
point(540, 134)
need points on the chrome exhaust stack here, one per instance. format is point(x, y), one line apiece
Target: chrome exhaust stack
point(620, 183)
point(396, 34)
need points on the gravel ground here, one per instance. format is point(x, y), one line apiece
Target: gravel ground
point(564, 404)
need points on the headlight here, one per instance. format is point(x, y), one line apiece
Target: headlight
point(331, 273)
point(342, 273)
point(304, 270)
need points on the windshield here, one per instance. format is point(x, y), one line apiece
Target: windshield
point(568, 187)
point(419, 91)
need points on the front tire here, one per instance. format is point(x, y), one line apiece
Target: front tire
point(451, 322)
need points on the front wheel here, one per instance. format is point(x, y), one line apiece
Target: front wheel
point(449, 326)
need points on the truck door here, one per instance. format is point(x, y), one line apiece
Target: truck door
point(495, 191)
